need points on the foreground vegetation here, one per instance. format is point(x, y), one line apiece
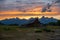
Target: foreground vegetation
point(18, 33)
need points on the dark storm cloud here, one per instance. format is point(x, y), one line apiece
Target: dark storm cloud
point(49, 5)
point(57, 1)
point(47, 8)
point(44, 9)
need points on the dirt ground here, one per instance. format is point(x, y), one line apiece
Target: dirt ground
point(29, 34)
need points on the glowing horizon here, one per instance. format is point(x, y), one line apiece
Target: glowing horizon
point(26, 15)
point(27, 9)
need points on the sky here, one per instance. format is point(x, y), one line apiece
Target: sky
point(29, 8)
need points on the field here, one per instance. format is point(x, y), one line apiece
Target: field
point(17, 33)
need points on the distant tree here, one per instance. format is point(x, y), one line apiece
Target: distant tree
point(52, 23)
point(6, 28)
point(38, 31)
point(38, 38)
point(47, 30)
point(13, 24)
point(58, 23)
point(1, 23)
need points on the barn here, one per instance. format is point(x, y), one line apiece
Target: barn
point(35, 23)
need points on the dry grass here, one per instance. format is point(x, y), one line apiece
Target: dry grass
point(17, 33)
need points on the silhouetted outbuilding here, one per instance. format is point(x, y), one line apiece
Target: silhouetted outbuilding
point(35, 23)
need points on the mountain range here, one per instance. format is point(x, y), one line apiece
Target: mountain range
point(43, 20)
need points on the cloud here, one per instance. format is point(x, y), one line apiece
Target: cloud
point(44, 9)
point(57, 1)
point(27, 14)
point(47, 8)
point(23, 5)
point(2, 0)
point(18, 4)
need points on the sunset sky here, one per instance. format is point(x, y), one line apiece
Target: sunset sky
point(29, 8)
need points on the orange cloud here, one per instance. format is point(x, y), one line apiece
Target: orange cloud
point(30, 12)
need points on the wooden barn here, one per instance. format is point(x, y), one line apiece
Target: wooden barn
point(35, 23)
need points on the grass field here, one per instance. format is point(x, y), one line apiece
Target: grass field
point(17, 33)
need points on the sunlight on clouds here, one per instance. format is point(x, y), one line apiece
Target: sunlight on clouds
point(26, 9)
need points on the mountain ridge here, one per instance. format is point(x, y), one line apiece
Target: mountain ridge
point(43, 20)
